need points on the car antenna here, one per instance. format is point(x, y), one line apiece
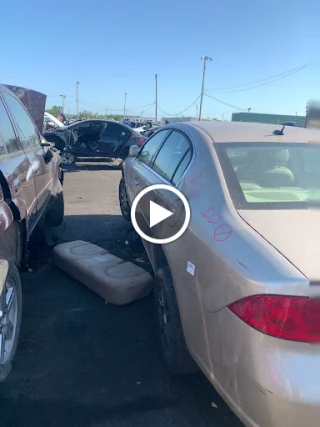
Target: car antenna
point(279, 132)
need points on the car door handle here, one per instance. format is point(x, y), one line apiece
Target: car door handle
point(16, 185)
point(136, 181)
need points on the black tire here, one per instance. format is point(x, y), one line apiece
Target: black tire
point(172, 342)
point(124, 201)
point(42, 234)
point(12, 281)
point(57, 211)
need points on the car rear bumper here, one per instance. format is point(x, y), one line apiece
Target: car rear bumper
point(268, 382)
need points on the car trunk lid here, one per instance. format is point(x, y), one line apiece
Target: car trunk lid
point(294, 233)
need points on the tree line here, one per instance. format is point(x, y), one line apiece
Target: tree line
point(85, 114)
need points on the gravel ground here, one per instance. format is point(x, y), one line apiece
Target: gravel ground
point(82, 362)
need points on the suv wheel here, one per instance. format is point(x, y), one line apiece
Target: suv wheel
point(57, 211)
point(172, 342)
point(68, 159)
point(42, 234)
point(124, 201)
point(10, 319)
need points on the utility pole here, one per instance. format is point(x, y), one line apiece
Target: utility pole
point(205, 59)
point(125, 103)
point(77, 98)
point(107, 112)
point(156, 75)
point(63, 98)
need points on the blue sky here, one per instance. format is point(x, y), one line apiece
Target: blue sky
point(117, 47)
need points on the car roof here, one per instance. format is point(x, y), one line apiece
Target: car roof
point(233, 132)
point(76, 122)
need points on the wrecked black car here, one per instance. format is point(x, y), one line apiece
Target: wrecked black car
point(93, 138)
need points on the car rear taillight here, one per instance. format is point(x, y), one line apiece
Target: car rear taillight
point(142, 141)
point(286, 317)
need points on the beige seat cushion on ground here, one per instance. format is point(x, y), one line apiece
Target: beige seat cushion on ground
point(115, 280)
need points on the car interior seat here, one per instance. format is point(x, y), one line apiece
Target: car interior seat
point(266, 167)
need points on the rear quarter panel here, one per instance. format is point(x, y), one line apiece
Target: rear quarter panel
point(230, 259)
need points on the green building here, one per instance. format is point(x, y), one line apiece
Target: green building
point(276, 119)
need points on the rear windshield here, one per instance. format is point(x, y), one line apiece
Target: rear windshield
point(269, 176)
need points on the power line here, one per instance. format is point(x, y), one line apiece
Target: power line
point(142, 106)
point(95, 104)
point(225, 103)
point(271, 80)
point(177, 114)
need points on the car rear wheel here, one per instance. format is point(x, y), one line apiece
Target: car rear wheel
point(68, 159)
point(172, 342)
point(124, 201)
point(10, 320)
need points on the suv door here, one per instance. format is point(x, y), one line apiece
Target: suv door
point(113, 136)
point(31, 143)
point(17, 170)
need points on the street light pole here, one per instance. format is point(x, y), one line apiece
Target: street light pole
point(205, 59)
point(125, 103)
point(63, 98)
point(77, 98)
point(156, 75)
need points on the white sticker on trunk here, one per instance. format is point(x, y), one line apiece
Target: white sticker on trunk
point(190, 268)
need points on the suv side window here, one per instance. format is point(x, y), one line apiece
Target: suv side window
point(27, 131)
point(170, 156)
point(7, 135)
point(150, 148)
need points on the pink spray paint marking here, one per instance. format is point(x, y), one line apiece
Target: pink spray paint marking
point(222, 232)
point(194, 181)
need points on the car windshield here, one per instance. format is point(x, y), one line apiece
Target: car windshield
point(270, 176)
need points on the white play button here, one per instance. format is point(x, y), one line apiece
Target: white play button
point(146, 214)
point(158, 214)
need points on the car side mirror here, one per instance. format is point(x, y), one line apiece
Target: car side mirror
point(134, 151)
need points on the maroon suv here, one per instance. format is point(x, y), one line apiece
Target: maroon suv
point(31, 203)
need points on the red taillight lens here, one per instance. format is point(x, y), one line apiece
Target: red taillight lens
point(141, 141)
point(286, 317)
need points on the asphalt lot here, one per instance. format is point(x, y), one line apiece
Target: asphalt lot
point(82, 362)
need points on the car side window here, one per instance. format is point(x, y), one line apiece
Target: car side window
point(27, 131)
point(150, 148)
point(8, 137)
point(182, 167)
point(170, 155)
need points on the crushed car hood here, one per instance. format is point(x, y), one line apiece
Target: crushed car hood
point(294, 233)
point(35, 103)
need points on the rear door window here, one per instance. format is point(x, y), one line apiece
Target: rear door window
point(151, 147)
point(27, 131)
point(171, 155)
point(115, 130)
point(182, 167)
point(8, 140)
